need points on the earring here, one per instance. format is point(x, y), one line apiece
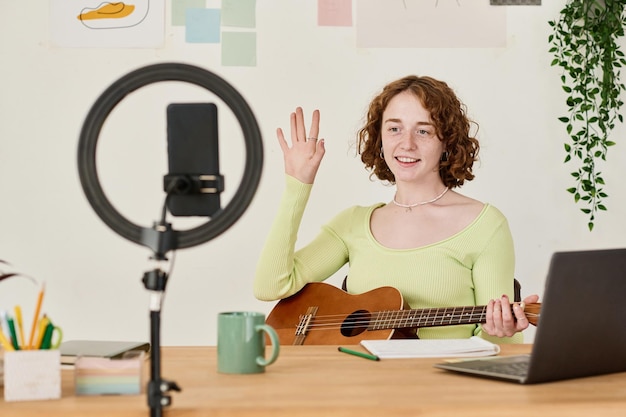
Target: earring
point(382, 155)
point(444, 156)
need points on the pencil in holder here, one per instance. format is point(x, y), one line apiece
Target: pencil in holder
point(32, 375)
point(105, 376)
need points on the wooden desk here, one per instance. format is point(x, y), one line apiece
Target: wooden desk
point(320, 381)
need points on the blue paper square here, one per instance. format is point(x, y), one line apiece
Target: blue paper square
point(202, 25)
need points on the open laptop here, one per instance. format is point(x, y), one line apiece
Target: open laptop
point(582, 324)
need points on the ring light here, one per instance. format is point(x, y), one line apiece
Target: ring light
point(169, 72)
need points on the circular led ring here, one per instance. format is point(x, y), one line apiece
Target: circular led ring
point(141, 77)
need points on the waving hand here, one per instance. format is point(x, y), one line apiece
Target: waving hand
point(303, 158)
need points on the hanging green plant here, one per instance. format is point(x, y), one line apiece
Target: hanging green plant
point(585, 44)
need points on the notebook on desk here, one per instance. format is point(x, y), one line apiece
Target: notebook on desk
point(73, 349)
point(582, 325)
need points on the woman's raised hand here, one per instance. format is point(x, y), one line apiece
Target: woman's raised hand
point(303, 158)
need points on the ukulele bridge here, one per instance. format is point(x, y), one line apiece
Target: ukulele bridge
point(304, 324)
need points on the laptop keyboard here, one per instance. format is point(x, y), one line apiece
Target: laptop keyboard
point(509, 368)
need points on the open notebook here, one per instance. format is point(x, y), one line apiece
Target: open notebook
point(581, 330)
point(430, 348)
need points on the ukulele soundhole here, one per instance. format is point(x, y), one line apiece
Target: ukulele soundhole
point(356, 323)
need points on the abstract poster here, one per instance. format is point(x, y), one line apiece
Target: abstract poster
point(430, 24)
point(107, 24)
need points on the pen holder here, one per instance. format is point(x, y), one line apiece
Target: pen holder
point(105, 376)
point(32, 375)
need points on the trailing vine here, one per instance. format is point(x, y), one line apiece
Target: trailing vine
point(585, 45)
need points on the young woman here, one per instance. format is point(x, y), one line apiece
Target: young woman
point(439, 248)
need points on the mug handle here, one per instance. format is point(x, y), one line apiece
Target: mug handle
point(260, 360)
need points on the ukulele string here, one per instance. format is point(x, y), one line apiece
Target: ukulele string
point(402, 314)
point(390, 319)
point(434, 312)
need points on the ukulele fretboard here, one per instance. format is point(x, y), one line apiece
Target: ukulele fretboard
point(428, 317)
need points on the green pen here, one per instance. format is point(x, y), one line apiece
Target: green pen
point(47, 337)
point(13, 334)
point(357, 353)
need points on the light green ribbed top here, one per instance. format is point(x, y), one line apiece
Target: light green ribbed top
point(469, 268)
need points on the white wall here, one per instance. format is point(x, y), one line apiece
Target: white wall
point(93, 276)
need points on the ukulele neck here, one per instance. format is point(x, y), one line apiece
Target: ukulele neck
point(429, 317)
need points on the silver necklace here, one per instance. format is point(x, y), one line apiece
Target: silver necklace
point(408, 207)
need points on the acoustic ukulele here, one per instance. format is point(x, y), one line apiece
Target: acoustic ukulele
point(322, 314)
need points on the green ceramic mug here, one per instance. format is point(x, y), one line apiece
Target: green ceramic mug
point(241, 343)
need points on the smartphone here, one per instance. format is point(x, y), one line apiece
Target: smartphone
point(194, 181)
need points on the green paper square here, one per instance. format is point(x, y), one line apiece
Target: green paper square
point(239, 49)
point(179, 8)
point(239, 13)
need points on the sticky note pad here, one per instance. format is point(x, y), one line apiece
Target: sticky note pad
point(104, 376)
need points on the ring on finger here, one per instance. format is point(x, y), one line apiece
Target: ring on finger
point(308, 139)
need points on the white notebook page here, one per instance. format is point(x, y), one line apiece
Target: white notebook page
point(430, 348)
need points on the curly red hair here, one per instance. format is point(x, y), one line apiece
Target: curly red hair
point(449, 117)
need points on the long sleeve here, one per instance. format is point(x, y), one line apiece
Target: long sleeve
point(283, 271)
point(493, 273)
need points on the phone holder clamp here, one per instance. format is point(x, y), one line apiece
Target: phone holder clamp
point(186, 184)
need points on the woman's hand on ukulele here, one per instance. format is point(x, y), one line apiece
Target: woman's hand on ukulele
point(504, 319)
